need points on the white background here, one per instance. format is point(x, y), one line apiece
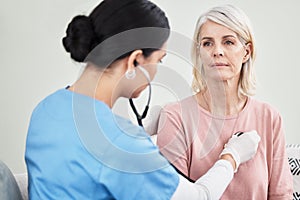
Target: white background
point(34, 63)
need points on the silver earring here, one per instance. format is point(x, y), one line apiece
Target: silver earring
point(130, 74)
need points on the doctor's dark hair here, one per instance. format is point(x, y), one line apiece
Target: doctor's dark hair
point(110, 18)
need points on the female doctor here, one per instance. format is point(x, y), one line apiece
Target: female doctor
point(77, 148)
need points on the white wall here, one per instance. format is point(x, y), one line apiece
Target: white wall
point(35, 64)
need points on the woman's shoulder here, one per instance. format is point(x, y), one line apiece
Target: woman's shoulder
point(262, 106)
point(180, 104)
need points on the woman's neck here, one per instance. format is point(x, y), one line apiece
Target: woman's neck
point(222, 99)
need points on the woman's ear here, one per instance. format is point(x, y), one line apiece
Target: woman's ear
point(134, 57)
point(248, 49)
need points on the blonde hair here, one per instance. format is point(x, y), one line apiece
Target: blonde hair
point(236, 20)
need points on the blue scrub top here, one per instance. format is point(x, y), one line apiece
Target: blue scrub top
point(77, 148)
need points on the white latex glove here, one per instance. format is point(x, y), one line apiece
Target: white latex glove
point(151, 121)
point(242, 148)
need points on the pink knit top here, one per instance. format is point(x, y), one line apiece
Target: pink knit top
point(192, 140)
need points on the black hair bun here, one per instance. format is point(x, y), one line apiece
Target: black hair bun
point(80, 38)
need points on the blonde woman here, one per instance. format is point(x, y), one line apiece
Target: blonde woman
point(192, 132)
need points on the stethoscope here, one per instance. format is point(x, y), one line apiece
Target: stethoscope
point(144, 114)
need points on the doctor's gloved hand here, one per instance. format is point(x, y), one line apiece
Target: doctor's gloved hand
point(242, 148)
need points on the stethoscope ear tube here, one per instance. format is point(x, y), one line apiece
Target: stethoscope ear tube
point(144, 114)
point(138, 116)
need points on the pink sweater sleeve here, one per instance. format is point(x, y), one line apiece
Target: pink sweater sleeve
point(171, 141)
point(280, 187)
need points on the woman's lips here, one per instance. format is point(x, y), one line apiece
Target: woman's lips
point(219, 65)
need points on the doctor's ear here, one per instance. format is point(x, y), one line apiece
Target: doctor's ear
point(133, 59)
point(135, 63)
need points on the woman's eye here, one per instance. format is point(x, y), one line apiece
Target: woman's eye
point(206, 44)
point(228, 42)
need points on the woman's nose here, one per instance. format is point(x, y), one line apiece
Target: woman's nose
point(218, 51)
